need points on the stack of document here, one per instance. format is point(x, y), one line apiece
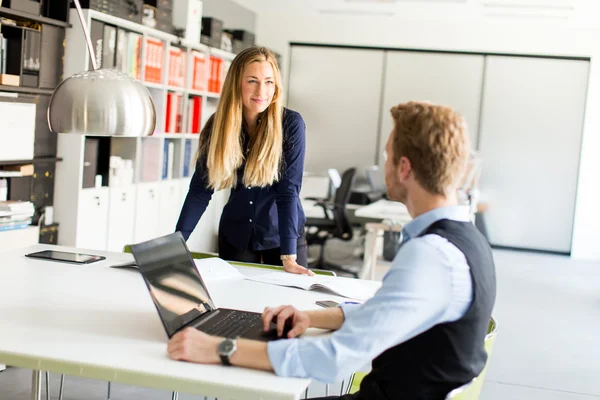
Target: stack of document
point(15, 214)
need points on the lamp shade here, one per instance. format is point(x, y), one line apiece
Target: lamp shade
point(102, 102)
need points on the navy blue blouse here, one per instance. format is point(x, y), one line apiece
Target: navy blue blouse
point(268, 217)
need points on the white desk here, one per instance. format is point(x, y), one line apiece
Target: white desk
point(385, 209)
point(98, 322)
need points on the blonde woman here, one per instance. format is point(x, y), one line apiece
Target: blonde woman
point(255, 147)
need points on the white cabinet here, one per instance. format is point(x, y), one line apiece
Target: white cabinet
point(146, 211)
point(121, 214)
point(170, 206)
point(92, 217)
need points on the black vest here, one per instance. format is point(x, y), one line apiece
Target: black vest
point(430, 365)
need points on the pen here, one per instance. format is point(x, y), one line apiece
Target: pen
point(350, 302)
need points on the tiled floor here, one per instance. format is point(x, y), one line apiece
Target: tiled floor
point(548, 345)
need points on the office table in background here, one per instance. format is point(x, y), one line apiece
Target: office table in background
point(99, 322)
point(385, 209)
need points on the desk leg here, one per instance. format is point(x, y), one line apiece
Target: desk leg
point(370, 256)
point(36, 385)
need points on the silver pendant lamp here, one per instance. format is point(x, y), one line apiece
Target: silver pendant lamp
point(101, 102)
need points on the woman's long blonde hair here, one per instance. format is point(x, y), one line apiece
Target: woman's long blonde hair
point(221, 139)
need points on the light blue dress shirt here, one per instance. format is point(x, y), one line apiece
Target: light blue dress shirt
point(428, 283)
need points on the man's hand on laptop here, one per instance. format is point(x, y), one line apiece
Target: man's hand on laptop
point(293, 267)
point(300, 321)
point(193, 345)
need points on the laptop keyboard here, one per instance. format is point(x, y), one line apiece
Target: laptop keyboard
point(233, 325)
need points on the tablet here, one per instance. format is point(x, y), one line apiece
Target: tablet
point(62, 256)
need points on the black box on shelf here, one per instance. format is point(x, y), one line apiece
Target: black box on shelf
point(28, 6)
point(160, 4)
point(238, 46)
point(165, 27)
point(56, 9)
point(133, 10)
point(248, 38)
point(211, 31)
point(164, 16)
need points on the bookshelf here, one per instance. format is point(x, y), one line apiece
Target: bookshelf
point(101, 208)
point(28, 36)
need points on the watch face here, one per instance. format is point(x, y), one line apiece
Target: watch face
point(226, 347)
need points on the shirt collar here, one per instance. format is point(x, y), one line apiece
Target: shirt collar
point(415, 227)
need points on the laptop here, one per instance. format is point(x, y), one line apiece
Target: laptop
point(182, 298)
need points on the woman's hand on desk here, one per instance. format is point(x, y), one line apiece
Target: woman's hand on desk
point(300, 320)
point(195, 346)
point(293, 267)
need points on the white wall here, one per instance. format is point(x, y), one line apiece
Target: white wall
point(277, 30)
point(233, 15)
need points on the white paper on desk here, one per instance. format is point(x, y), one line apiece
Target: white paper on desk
point(350, 288)
point(216, 269)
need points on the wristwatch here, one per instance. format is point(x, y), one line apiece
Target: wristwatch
point(287, 257)
point(226, 349)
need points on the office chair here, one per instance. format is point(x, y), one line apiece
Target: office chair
point(470, 390)
point(319, 230)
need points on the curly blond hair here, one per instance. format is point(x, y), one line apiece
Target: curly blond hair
point(436, 141)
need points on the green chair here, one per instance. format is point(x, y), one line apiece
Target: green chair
point(469, 391)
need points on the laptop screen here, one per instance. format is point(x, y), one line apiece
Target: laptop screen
point(173, 281)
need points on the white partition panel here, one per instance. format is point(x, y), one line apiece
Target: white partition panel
point(337, 91)
point(530, 142)
point(454, 80)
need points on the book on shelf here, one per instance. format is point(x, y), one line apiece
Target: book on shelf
point(16, 211)
point(134, 55)
point(3, 49)
point(187, 158)
point(16, 170)
point(14, 226)
point(225, 65)
point(199, 71)
point(109, 46)
point(122, 50)
point(176, 67)
point(194, 114)
point(16, 205)
point(153, 57)
point(97, 37)
point(16, 218)
point(174, 113)
point(150, 168)
point(214, 79)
